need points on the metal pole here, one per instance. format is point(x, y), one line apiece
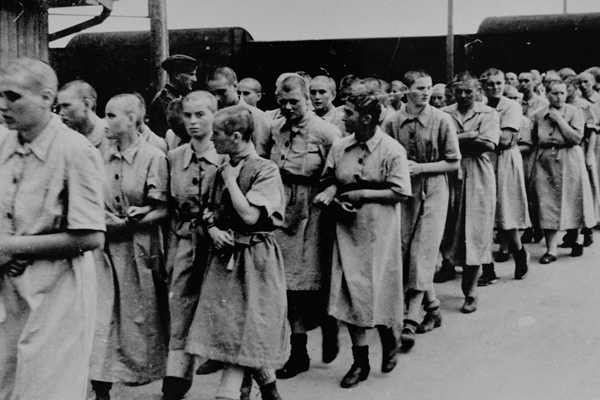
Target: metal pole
point(564, 6)
point(159, 40)
point(450, 43)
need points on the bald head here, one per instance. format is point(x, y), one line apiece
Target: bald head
point(122, 115)
point(250, 90)
point(27, 92)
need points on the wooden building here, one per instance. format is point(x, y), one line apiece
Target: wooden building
point(24, 26)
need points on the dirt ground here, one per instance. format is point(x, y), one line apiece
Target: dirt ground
point(533, 339)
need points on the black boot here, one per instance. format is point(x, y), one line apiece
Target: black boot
point(175, 388)
point(359, 371)
point(389, 349)
point(588, 237)
point(521, 267)
point(488, 275)
point(446, 273)
point(101, 390)
point(270, 392)
point(299, 361)
point(330, 344)
point(432, 320)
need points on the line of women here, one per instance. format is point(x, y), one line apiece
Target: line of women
point(398, 191)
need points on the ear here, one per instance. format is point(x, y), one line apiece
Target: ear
point(334, 93)
point(366, 119)
point(131, 117)
point(48, 96)
point(236, 136)
point(258, 96)
point(87, 103)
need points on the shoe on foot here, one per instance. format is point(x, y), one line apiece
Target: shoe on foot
point(469, 306)
point(588, 237)
point(430, 322)
point(330, 345)
point(298, 361)
point(576, 250)
point(210, 367)
point(538, 235)
point(488, 275)
point(521, 263)
point(547, 258)
point(445, 274)
point(501, 256)
point(407, 337)
point(527, 236)
point(359, 371)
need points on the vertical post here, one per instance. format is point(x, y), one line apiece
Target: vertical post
point(450, 43)
point(159, 40)
point(564, 6)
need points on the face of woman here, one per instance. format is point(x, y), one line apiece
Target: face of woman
point(197, 118)
point(557, 95)
point(494, 87)
point(420, 91)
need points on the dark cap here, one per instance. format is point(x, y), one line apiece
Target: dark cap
point(179, 63)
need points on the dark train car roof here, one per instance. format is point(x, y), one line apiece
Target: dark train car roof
point(540, 23)
point(142, 38)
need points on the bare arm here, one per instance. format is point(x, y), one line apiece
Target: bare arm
point(249, 213)
point(54, 245)
point(384, 196)
point(438, 167)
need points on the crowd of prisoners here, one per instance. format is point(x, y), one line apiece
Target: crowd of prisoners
point(202, 234)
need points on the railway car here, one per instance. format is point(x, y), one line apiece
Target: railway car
point(121, 61)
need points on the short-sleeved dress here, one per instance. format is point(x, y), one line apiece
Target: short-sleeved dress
point(529, 107)
point(427, 137)
point(470, 238)
point(187, 255)
point(241, 314)
point(129, 343)
point(53, 184)
point(300, 152)
point(512, 211)
point(335, 116)
point(561, 184)
point(590, 128)
point(366, 277)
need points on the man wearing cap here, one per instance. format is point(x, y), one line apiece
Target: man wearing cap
point(182, 75)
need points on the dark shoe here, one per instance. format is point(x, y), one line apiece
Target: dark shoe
point(430, 322)
point(359, 371)
point(569, 239)
point(298, 361)
point(576, 250)
point(270, 392)
point(547, 258)
point(588, 237)
point(100, 390)
point(501, 256)
point(521, 263)
point(527, 236)
point(175, 388)
point(488, 275)
point(469, 306)
point(389, 349)
point(445, 274)
point(407, 337)
point(210, 367)
point(330, 344)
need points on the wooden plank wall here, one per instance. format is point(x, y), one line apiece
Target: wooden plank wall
point(23, 31)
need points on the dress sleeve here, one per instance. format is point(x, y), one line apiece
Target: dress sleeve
point(85, 178)
point(489, 129)
point(512, 117)
point(525, 132)
point(397, 171)
point(157, 180)
point(328, 177)
point(449, 139)
point(267, 191)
